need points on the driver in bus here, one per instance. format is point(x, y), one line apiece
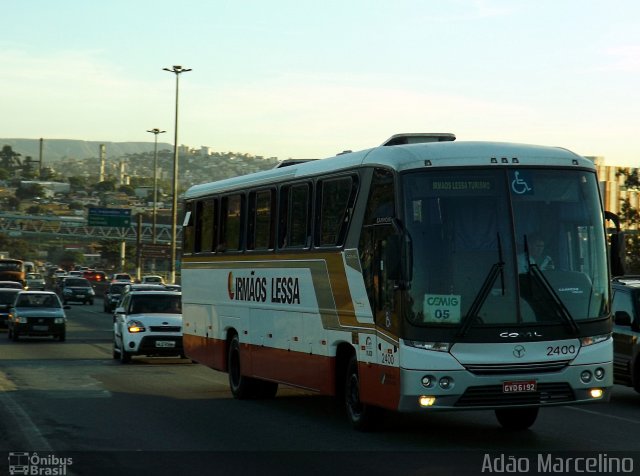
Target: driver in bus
point(537, 255)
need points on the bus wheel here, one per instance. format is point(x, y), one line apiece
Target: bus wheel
point(517, 418)
point(361, 415)
point(241, 387)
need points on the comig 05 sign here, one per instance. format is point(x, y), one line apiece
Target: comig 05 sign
point(117, 217)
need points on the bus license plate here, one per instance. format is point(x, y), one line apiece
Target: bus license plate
point(519, 386)
point(165, 343)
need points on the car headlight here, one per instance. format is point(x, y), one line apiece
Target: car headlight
point(67, 291)
point(59, 320)
point(20, 320)
point(135, 327)
point(92, 292)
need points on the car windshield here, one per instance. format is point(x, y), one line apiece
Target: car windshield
point(34, 276)
point(7, 298)
point(38, 300)
point(79, 282)
point(156, 303)
point(117, 288)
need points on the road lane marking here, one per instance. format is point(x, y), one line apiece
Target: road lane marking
point(615, 417)
point(33, 437)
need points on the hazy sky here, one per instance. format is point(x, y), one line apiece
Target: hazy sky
point(308, 79)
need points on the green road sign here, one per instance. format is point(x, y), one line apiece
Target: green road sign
point(116, 217)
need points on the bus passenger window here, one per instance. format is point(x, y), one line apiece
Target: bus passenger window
point(230, 236)
point(333, 210)
point(187, 229)
point(294, 216)
point(262, 237)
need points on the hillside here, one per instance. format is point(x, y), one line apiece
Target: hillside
point(56, 149)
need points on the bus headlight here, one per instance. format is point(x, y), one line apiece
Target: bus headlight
point(587, 341)
point(426, 401)
point(436, 346)
point(599, 373)
point(596, 393)
point(427, 381)
point(585, 376)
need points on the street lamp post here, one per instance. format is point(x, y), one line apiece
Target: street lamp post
point(177, 70)
point(155, 132)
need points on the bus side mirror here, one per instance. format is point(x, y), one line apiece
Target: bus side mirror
point(618, 253)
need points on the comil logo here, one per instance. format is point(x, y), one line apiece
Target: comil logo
point(231, 287)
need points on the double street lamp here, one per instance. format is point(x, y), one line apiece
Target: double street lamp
point(155, 131)
point(177, 70)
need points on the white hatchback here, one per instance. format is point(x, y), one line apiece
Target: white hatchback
point(148, 323)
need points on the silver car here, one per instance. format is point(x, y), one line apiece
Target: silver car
point(35, 282)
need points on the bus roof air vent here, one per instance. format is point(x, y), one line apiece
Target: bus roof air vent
point(419, 137)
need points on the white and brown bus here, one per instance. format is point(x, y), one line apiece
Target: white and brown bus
point(403, 277)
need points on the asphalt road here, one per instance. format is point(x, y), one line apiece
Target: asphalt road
point(171, 415)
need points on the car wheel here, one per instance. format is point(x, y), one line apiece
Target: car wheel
point(9, 333)
point(125, 357)
point(517, 418)
point(91, 302)
point(14, 336)
point(62, 337)
point(116, 354)
point(363, 417)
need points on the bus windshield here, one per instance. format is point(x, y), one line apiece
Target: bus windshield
point(505, 247)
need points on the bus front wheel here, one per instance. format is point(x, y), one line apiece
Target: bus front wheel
point(362, 416)
point(517, 418)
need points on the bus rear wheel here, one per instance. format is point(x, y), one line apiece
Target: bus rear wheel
point(363, 417)
point(241, 387)
point(517, 418)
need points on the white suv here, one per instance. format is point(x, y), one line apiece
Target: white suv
point(148, 323)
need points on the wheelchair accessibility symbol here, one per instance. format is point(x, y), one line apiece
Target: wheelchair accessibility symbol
point(520, 185)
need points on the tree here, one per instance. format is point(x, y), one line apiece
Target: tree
point(9, 159)
point(630, 218)
point(29, 191)
point(105, 186)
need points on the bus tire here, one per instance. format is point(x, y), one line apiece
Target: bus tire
point(363, 417)
point(241, 387)
point(517, 418)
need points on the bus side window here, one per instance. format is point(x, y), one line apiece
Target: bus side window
point(231, 223)
point(295, 229)
point(187, 229)
point(205, 226)
point(334, 210)
point(261, 224)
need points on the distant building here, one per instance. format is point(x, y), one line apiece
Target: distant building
point(613, 189)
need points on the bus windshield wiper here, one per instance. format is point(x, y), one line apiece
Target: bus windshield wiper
point(483, 294)
point(565, 315)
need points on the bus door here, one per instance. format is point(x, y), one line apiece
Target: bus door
point(378, 354)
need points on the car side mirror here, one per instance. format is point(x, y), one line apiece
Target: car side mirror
point(622, 318)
